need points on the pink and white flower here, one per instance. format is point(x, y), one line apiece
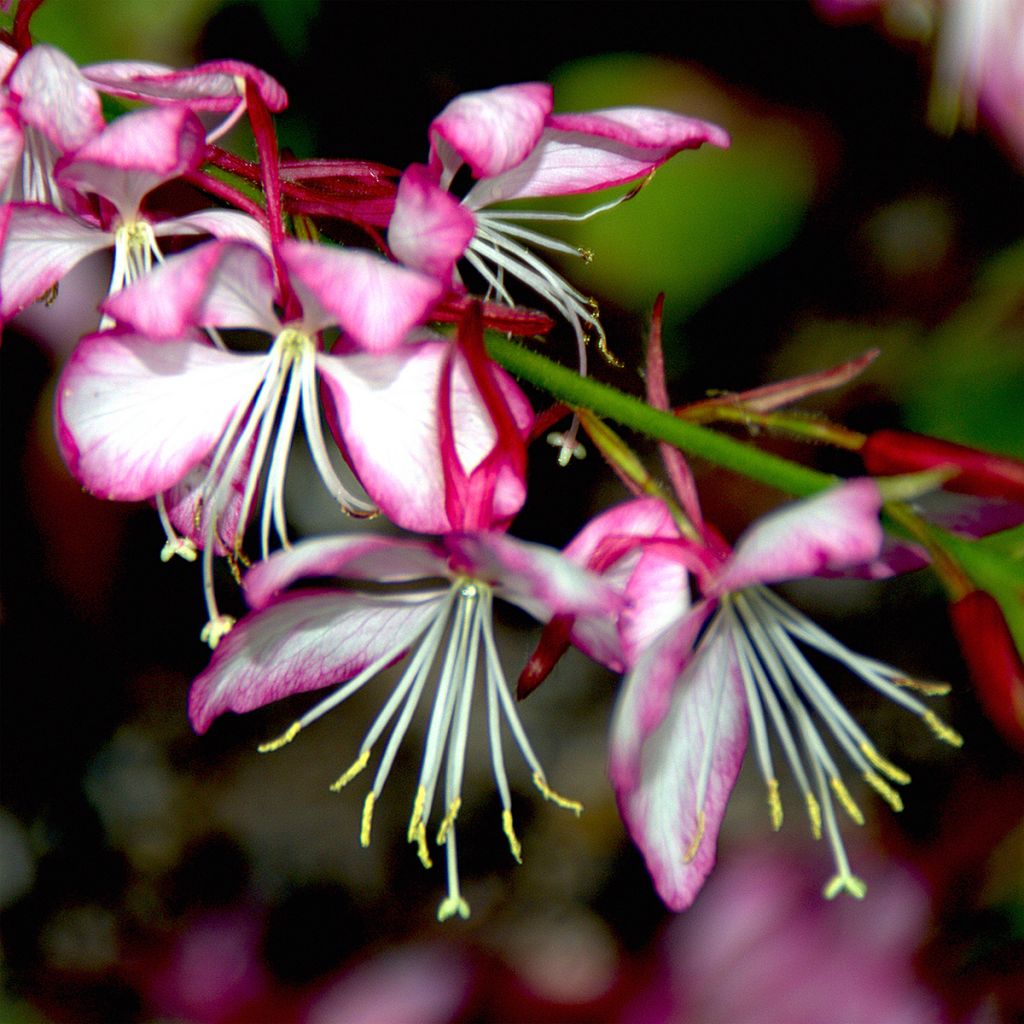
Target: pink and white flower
point(516, 148)
point(48, 109)
point(434, 597)
point(106, 181)
point(731, 663)
point(144, 409)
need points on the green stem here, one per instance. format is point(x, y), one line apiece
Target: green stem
point(586, 393)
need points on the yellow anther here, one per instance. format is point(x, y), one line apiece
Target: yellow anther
point(884, 790)
point(943, 731)
point(357, 766)
point(452, 905)
point(364, 828)
point(418, 835)
point(928, 689)
point(691, 850)
point(774, 804)
point(814, 813)
point(448, 821)
point(285, 738)
point(180, 546)
point(549, 794)
point(843, 795)
point(845, 882)
point(216, 629)
point(587, 255)
point(885, 766)
point(513, 843)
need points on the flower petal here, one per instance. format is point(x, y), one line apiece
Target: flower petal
point(213, 85)
point(134, 416)
point(217, 284)
point(589, 152)
point(429, 228)
point(612, 544)
point(494, 130)
point(830, 532)
point(38, 246)
point(227, 225)
point(535, 577)
point(190, 514)
point(386, 408)
point(376, 302)
point(55, 98)
point(354, 557)
point(134, 154)
point(302, 642)
point(678, 838)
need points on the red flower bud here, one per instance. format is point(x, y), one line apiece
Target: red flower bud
point(992, 476)
point(553, 643)
point(993, 660)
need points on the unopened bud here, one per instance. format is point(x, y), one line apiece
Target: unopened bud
point(886, 452)
point(553, 643)
point(993, 660)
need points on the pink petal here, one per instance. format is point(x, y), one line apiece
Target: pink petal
point(190, 515)
point(659, 806)
point(134, 416)
point(491, 131)
point(227, 225)
point(12, 144)
point(618, 146)
point(217, 284)
point(657, 594)
point(8, 56)
point(387, 412)
point(829, 533)
point(353, 557)
point(39, 246)
point(612, 544)
point(55, 99)
point(647, 692)
point(374, 301)
point(537, 578)
point(429, 228)
point(210, 86)
point(134, 154)
point(303, 642)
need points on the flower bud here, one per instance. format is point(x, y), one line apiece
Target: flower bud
point(553, 643)
point(887, 452)
point(993, 660)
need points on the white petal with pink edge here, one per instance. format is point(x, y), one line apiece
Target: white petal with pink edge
point(352, 557)
point(537, 578)
point(568, 162)
point(687, 768)
point(376, 302)
point(210, 86)
point(55, 98)
point(227, 225)
point(217, 284)
point(494, 130)
point(40, 245)
point(134, 416)
point(134, 154)
point(661, 132)
point(831, 532)
point(304, 642)
point(387, 410)
point(429, 228)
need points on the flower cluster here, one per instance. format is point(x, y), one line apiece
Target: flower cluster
point(229, 322)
